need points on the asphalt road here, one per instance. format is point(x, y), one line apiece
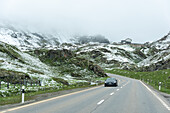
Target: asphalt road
point(131, 96)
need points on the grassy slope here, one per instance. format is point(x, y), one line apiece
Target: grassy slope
point(152, 78)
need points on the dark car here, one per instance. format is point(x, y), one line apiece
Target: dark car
point(111, 82)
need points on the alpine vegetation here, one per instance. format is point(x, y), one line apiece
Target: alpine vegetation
point(36, 59)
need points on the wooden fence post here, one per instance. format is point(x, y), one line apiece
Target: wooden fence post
point(14, 85)
point(20, 87)
point(7, 85)
point(39, 83)
point(165, 84)
point(26, 83)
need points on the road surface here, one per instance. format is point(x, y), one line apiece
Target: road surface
point(131, 96)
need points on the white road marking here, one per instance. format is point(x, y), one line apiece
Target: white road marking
point(12, 109)
point(166, 106)
point(117, 89)
point(125, 84)
point(100, 102)
point(111, 93)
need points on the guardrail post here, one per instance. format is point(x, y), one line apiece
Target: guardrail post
point(23, 87)
point(160, 85)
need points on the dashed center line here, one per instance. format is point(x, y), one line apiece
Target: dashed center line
point(117, 89)
point(100, 102)
point(120, 87)
point(111, 93)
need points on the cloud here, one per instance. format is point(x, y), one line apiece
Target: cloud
point(116, 19)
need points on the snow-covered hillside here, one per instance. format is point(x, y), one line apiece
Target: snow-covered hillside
point(163, 43)
point(26, 40)
point(47, 65)
point(109, 55)
point(158, 54)
point(13, 59)
point(46, 58)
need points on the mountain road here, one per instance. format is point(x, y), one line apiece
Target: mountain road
point(130, 96)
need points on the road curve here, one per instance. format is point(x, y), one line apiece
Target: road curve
point(131, 96)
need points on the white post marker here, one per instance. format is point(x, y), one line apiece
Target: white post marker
point(23, 87)
point(159, 85)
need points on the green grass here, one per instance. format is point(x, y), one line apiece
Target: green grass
point(32, 95)
point(10, 100)
point(152, 78)
point(102, 78)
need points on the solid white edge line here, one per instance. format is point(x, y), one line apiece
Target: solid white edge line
point(165, 105)
point(16, 108)
point(100, 102)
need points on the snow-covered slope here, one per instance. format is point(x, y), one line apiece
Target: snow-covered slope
point(109, 55)
point(158, 54)
point(149, 57)
point(48, 65)
point(41, 57)
point(163, 43)
point(26, 40)
point(44, 49)
point(12, 58)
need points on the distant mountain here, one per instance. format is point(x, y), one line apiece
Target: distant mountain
point(147, 57)
point(43, 56)
point(26, 40)
point(87, 39)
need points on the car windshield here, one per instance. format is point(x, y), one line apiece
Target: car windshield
point(110, 79)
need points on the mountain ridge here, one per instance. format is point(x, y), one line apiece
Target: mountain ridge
point(44, 57)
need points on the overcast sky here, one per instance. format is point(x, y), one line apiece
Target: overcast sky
point(141, 20)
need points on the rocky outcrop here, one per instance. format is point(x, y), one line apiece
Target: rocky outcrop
point(66, 57)
point(97, 70)
point(82, 62)
point(13, 76)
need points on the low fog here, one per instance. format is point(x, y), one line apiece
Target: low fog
point(141, 20)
